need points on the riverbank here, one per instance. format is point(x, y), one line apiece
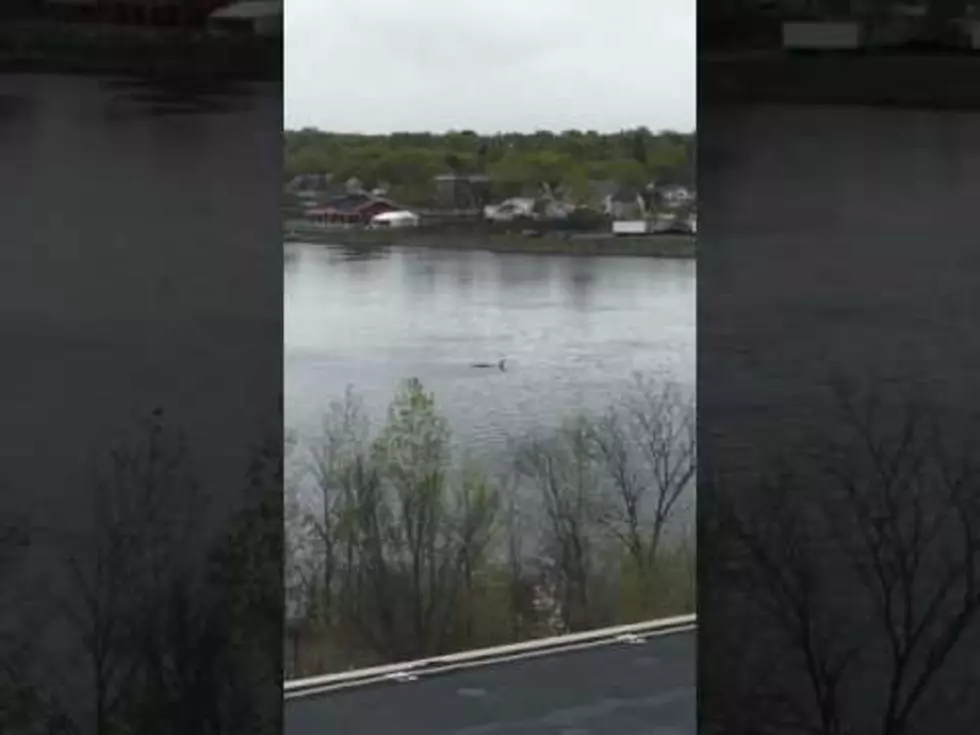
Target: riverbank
point(654, 246)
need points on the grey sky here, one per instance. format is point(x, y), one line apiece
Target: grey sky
point(388, 65)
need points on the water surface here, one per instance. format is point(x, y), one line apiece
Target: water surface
point(573, 331)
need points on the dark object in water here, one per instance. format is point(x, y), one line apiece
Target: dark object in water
point(502, 365)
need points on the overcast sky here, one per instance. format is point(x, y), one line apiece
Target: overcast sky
point(490, 65)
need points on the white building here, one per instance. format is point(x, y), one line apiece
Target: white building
point(676, 196)
point(510, 209)
point(396, 219)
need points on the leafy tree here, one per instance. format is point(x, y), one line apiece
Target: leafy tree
point(640, 149)
point(400, 537)
point(518, 163)
point(404, 550)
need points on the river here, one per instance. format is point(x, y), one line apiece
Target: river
point(573, 331)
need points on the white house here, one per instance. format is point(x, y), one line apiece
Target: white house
point(676, 196)
point(510, 209)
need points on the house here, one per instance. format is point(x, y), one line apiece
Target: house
point(517, 207)
point(674, 196)
point(602, 191)
point(556, 209)
point(620, 201)
point(462, 191)
point(350, 210)
point(510, 209)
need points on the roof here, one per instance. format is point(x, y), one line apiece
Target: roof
point(248, 9)
point(352, 203)
point(627, 685)
point(520, 202)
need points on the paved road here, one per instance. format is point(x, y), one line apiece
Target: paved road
point(619, 689)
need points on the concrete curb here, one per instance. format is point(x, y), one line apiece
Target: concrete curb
point(411, 670)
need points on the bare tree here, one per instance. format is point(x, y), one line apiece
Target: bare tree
point(326, 483)
point(867, 560)
point(335, 470)
point(561, 469)
point(299, 573)
point(781, 572)
point(623, 475)
point(647, 445)
point(246, 572)
point(174, 625)
point(24, 706)
point(144, 504)
point(519, 593)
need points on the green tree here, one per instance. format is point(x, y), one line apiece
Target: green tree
point(402, 537)
point(516, 162)
point(640, 149)
point(406, 550)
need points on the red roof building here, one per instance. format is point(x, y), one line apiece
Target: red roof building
point(351, 209)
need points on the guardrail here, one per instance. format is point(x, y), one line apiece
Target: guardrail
point(636, 633)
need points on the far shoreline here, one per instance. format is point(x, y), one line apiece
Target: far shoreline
point(672, 246)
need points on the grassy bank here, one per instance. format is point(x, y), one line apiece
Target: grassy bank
point(658, 246)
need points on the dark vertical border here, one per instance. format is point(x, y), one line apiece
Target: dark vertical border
point(141, 323)
point(837, 358)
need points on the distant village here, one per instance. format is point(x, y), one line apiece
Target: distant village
point(457, 199)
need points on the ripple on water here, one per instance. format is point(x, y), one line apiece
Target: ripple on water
point(372, 324)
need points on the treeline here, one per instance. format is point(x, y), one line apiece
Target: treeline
point(398, 550)
point(405, 163)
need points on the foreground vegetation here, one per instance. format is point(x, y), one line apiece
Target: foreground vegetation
point(141, 617)
point(397, 550)
point(847, 576)
point(148, 614)
point(405, 163)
